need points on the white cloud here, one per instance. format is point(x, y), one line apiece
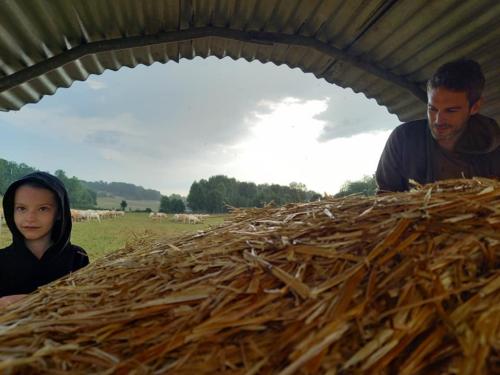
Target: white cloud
point(96, 84)
point(284, 147)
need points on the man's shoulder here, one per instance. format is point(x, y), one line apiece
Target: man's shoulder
point(412, 126)
point(409, 131)
point(482, 136)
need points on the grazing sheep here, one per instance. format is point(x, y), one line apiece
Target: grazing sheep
point(76, 215)
point(180, 217)
point(188, 218)
point(87, 215)
point(90, 215)
point(157, 215)
point(193, 219)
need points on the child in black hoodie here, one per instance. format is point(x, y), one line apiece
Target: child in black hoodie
point(37, 212)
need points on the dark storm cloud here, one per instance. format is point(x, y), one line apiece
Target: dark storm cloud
point(349, 115)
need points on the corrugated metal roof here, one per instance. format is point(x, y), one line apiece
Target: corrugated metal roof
point(385, 49)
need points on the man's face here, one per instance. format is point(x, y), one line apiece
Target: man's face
point(448, 113)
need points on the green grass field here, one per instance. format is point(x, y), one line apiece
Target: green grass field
point(110, 203)
point(102, 238)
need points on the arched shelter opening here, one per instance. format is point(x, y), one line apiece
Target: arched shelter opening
point(402, 284)
point(385, 49)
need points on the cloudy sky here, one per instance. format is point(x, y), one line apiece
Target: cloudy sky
point(165, 126)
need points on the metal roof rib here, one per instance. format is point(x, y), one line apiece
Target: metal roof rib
point(112, 45)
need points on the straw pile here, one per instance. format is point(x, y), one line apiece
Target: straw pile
point(402, 283)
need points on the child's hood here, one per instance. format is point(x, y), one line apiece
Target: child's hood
point(61, 230)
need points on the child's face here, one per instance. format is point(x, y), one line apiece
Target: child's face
point(35, 211)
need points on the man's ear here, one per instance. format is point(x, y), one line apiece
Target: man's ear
point(476, 106)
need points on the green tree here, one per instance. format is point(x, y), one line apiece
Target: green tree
point(10, 171)
point(79, 195)
point(164, 204)
point(366, 186)
point(177, 205)
point(172, 204)
point(298, 186)
point(197, 196)
point(315, 197)
point(247, 194)
point(218, 192)
point(123, 205)
point(215, 201)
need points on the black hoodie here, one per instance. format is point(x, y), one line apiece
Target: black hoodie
point(21, 272)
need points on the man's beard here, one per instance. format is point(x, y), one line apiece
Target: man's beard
point(447, 132)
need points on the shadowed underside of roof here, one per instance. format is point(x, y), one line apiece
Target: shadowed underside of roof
point(384, 49)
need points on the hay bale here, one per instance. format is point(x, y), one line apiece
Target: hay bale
point(401, 283)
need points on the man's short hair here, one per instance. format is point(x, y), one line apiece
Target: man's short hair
point(460, 75)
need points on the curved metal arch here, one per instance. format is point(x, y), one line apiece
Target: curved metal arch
point(259, 37)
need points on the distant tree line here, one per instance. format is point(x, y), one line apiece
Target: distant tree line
point(211, 196)
point(79, 195)
point(10, 171)
point(124, 190)
point(218, 192)
point(366, 186)
point(172, 204)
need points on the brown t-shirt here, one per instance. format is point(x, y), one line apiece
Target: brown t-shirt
point(448, 164)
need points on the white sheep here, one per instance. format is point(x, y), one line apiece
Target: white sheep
point(90, 215)
point(157, 215)
point(193, 219)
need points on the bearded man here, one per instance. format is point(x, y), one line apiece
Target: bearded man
point(454, 142)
